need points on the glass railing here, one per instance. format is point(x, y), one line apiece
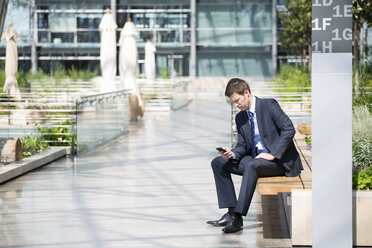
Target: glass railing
point(181, 94)
point(100, 118)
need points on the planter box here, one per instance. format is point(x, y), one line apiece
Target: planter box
point(299, 217)
point(25, 165)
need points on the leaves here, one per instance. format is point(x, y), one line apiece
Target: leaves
point(61, 135)
point(296, 22)
point(362, 11)
point(362, 148)
point(365, 179)
point(32, 144)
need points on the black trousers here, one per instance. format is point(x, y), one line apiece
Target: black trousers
point(250, 169)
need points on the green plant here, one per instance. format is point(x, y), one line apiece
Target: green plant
point(362, 153)
point(165, 73)
point(10, 104)
point(362, 148)
point(21, 79)
point(60, 73)
point(363, 99)
point(296, 22)
point(57, 136)
point(289, 77)
point(73, 74)
point(87, 74)
point(365, 179)
point(308, 142)
point(32, 144)
point(362, 123)
point(39, 75)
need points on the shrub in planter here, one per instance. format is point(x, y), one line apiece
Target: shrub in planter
point(58, 136)
point(362, 148)
point(32, 144)
point(365, 179)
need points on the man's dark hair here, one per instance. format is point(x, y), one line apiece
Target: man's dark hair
point(236, 85)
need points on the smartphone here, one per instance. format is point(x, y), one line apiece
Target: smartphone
point(220, 149)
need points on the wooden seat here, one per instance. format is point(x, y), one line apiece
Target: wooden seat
point(275, 185)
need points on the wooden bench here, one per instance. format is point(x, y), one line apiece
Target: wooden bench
point(275, 185)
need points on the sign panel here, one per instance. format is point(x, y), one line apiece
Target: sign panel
point(331, 26)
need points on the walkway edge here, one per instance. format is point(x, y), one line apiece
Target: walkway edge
point(23, 166)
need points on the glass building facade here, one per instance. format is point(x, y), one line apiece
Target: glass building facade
point(230, 38)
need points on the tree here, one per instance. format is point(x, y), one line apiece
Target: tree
point(297, 28)
point(362, 12)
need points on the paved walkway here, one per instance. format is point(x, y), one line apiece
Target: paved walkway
point(151, 188)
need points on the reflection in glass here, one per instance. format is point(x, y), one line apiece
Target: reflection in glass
point(62, 38)
point(144, 35)
point(236, 36)
point(62, 22)
point(186, 36)
point(121, 18)
point(244, 15)
point(186, 20)
point(42, 20)
point(144, 20)
point(168, 36)
point(88, 36)
point(168, 20)
point(88, 21)
point(42, 37)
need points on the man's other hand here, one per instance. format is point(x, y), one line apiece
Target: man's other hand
point(266, 156)
point(228, 154)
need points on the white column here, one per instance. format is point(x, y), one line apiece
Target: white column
point(331, 150)
point(274, 49)
point(332, 124)
point(34, 38)
point(113, 9)
point(193, 39)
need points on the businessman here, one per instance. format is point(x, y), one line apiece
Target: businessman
point(265, 148)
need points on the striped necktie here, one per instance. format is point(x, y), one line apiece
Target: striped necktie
point(251, 122)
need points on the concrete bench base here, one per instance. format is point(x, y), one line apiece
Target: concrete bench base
point(299, 217)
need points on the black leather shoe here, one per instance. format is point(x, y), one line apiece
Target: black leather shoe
point(234, 225)
point(221, 222)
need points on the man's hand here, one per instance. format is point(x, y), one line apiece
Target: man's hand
point(228, 154)
point(266, 156)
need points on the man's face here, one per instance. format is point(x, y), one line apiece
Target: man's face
point(242, 102)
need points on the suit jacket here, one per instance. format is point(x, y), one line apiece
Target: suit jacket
point(276, 131)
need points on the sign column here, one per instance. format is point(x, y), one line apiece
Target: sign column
point(332, 123)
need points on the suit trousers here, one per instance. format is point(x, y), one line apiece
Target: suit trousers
point(250, 169)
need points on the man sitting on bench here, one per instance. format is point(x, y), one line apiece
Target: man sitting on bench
point(265, 148)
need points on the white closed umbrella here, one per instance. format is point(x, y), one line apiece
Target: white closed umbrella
point(150, 50)
point(128, 58)
point(108, 52)
point(11, 62)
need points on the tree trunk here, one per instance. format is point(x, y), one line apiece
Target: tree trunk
point(296, 59)
point(310, 58)
point(11, 150)
point(356, 58)
point(304, 57)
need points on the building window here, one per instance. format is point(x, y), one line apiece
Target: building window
point(88, 21)
point(42, 20)
point(168, 36)
point(42, 37)
point(88, 37)
point(168, 20)
point(62, 38)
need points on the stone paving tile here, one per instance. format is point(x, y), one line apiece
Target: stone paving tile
point(151, 188)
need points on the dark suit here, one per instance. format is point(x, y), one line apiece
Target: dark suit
point(276, 132)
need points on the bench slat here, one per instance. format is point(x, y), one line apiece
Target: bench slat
point(274, 185)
